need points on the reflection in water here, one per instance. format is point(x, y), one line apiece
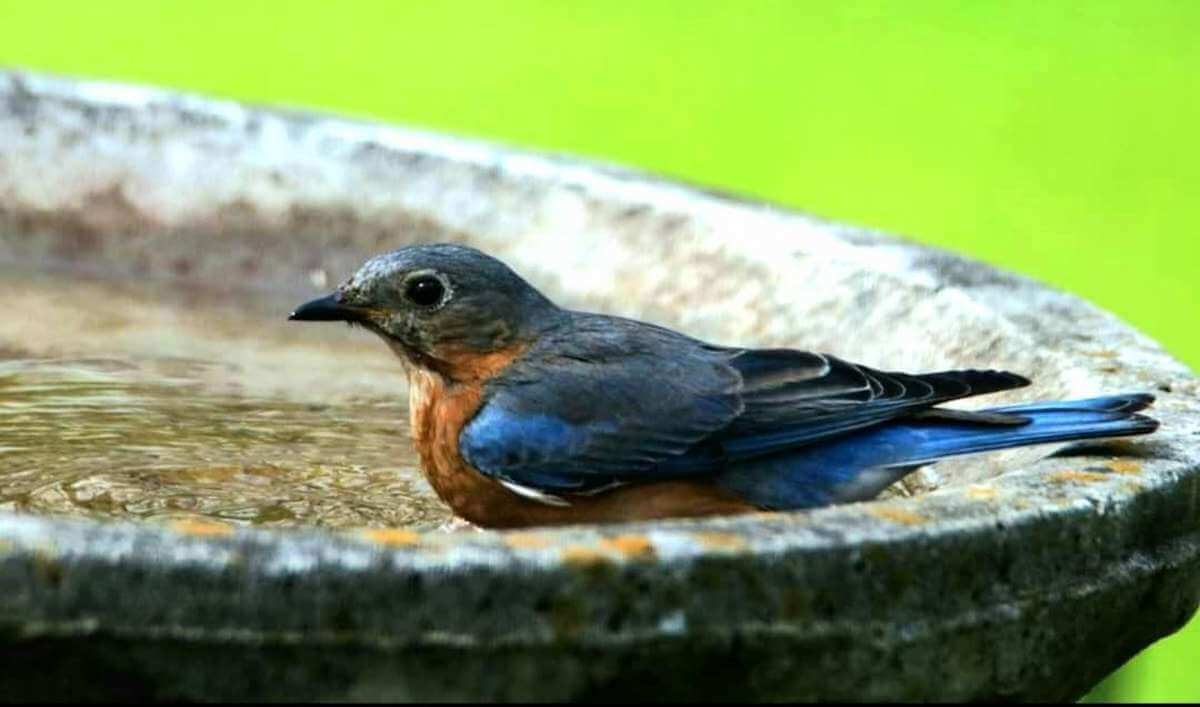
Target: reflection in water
point(146, 439)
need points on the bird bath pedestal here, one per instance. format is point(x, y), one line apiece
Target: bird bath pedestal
point(1010, 576)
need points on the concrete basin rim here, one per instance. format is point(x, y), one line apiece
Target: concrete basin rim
point(835, 530)
point(586, 173)
point(1130, 570)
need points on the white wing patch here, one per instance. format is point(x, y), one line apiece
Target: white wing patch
point(534, 494)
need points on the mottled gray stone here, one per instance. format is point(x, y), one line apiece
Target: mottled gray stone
point(1012, 576)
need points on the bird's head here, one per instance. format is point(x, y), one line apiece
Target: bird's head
point(435, 303)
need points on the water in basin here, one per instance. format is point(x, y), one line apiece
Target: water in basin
point(158, 400)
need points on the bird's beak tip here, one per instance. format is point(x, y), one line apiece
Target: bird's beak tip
point(323, 309)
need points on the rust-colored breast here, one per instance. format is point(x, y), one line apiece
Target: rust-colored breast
point(438, 410)
point(440, 407)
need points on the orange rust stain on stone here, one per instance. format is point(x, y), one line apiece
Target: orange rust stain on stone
point(582, 555)
point(1125, 466)
point(631, 546)
point(978, 492)
point(392, 537)
point(1073, 476)
point(202, 528)
point(526, 541)
point(720, 541)
point(897, 515)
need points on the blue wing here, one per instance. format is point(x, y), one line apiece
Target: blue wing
point(794, 398)
point(592, 406)
point(607, 401)
point(858, 466)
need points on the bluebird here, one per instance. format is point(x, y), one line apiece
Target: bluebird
point(525, 413)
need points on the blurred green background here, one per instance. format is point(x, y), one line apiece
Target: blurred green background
point(1057, 139)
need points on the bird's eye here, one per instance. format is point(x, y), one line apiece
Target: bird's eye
point(425, 291)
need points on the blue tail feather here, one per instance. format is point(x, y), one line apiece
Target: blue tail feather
point(860, 465)
point(1131, 402)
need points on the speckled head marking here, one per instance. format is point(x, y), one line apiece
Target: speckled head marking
point(437, 303)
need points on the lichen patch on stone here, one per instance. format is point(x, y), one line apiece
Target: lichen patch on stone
point(980, 492)
point(714, 540)
point(630, 546)
point(1075, 476)
point(202, 528)
point(527, 541)
point(582, 555)
point(392, 537)
point(1125, 466)
point(897, 515)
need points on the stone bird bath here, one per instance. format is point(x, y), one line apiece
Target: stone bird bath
point(1010, 576)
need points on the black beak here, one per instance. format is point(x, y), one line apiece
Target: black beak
point(325, 309)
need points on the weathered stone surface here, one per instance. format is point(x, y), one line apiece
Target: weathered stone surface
point(1009, 576)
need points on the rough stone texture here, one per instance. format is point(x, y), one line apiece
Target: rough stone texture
point(1007, 577)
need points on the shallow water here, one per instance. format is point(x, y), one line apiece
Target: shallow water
point(148, 401)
